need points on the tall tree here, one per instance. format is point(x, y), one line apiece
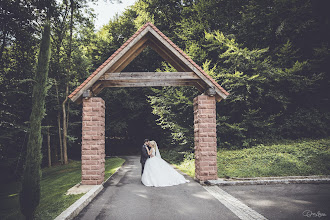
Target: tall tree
point(68, 69)
point(30, 194)
point(17, 66)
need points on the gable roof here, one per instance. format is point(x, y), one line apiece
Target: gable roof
point(150, 35)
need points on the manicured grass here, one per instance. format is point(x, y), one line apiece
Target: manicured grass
point(301, 158)
point(54, 184)
point(112, 165)
point(290, 158)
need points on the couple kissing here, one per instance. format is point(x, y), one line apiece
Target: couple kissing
point(156, 171)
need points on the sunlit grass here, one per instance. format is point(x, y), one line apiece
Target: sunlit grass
point(112, 165)
point(290, 158)
point(187, 166)
point(301, 158)
point(54, 184)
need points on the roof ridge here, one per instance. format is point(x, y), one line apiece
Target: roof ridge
point(131, 39)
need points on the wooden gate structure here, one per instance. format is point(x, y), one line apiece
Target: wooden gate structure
point(109, 75)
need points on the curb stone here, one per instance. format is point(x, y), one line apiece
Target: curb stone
point(270, 180)
point(81, 203)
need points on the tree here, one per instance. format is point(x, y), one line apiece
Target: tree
point(30, 194)
point(17, 65)
point(290, 76)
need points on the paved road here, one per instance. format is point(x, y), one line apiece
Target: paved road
point(285, 201)
point(125, 197)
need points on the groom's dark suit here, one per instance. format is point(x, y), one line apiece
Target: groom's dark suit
point(144, 156)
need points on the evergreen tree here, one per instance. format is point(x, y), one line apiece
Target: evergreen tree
point(30, 194)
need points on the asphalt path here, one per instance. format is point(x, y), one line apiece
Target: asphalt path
point(125, 197)
point(285, 201)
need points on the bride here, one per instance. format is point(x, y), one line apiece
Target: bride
point(158, 172)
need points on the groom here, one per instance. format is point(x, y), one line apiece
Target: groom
point(144, 154)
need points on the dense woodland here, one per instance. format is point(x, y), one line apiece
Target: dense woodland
point(272, 56)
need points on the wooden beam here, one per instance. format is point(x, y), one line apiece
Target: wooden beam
point(149, 79)
point(119, 83)
point(128, 58)
point(200, 86)
point(138, 76)
point(166, 55)
point(97, 87)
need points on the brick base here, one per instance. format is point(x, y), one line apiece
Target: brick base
point(205, 138)
point(93, 141)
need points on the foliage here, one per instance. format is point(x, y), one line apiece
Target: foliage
point(17, 67)
point(270, 86)
point(54, 184)
point(172, 156)
point(20, 37)
point(174, 108)
point(188, 164)
point(272, 56)
point(30, 194)
point(262, 95)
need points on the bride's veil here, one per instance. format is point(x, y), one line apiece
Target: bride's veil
point(157, 151)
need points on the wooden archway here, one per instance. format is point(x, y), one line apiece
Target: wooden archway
point(109, 75)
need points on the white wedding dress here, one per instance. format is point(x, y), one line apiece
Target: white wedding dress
point(157, 172)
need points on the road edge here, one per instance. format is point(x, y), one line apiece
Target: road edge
point(271, 181)
point(81, 203)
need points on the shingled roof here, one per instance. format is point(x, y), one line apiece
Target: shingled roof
point(149, 35)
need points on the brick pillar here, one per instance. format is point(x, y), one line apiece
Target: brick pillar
point(93, 141)
point(205, 138)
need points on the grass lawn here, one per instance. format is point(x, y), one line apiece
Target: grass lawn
point(54, 184)
point(187, 165)
point(290, 158)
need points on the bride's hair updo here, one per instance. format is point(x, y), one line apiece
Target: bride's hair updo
point(153, 144)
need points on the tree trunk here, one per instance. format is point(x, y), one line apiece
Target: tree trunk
point(30, 193)
point(49, 151)
point(65, 122)
point(65, 131)
point(67, 117)
point(60, 136)
point(60, 34)
point(59, 124)
point(3, 46)
point(54, 153)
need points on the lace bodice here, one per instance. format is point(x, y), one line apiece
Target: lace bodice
point(153, 151)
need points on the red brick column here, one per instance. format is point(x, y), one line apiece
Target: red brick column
point(93, 141)
point(205, 138)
